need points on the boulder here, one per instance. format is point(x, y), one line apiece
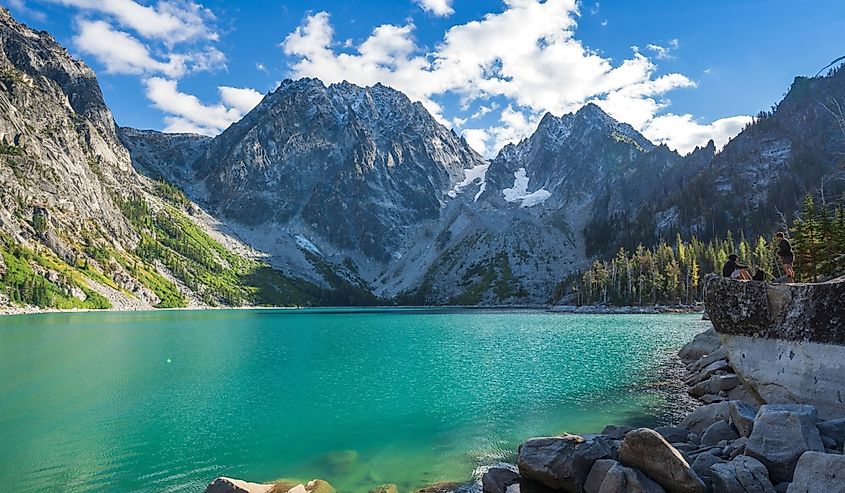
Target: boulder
point(711, 399)
point(229, 485)
point(708, 359)
point(781, 434)
point(786, 342)
point(704, 416)
point(621, 479)
point(741, 475)
point(717, 366)
point(597, 475)
point(616, 432)
point(742, 417)
point(819, 473)
point(703, 343)
point(497, 480)
point(561, 463)
point(702, 464)
point(714, 385)
point(673, 434)
point(833, 429)
point(646, 450)
point(737, 447)
point(718, 431)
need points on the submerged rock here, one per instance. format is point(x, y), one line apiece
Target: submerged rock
point(229, 485)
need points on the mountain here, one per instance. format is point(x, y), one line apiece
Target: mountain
point(757, 181)
point(336, 177)
point(344, 194)
point(80, 228)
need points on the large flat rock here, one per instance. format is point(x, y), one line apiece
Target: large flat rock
point(786, 342)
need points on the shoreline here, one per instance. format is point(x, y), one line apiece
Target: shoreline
point(8, 310)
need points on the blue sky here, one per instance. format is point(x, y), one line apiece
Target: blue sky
point(680, 72)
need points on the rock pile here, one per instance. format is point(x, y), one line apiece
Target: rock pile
point(730, 444)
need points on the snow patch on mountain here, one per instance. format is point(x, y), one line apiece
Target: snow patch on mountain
point(472, 175)
point(306, 244)
point(519, 191)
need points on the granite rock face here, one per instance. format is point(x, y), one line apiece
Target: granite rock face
point(785, 342)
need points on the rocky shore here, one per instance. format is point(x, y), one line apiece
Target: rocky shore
point(736, 441)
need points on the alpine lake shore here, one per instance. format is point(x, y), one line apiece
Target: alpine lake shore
point(743, 437)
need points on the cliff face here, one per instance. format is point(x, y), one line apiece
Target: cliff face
point(786, 342)
point(60, 155)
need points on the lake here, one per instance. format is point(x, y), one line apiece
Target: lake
point(169, 400)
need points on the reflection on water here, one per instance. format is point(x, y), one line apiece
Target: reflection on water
point(157, 401)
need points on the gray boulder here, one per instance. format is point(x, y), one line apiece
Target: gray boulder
point(833, 429)
point(703, 343)
point(715, 367)
point(597, 475)
point(616, 432)
point(742, 417)
point(708, 359)
point(561, 463)
point(646, 450)
point(621, 479)
point(704, 416)
point(783, 432)
point(819, 473)
point(703, 462)
point(497, 480)
point(718, 431)
point(741, 475)
point(714, 385)
point(673, 434)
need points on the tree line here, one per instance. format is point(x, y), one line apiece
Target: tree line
point(672, 273)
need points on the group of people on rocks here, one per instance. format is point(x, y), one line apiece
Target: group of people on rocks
point(734, 270)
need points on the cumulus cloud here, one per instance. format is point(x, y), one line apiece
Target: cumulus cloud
point(172, 21)
point(121, 53)
point(526, 54)
point(186, 113)
point(684, 134)
point(437, 7)
point(663, 52)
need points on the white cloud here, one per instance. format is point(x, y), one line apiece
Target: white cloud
point(21, 7)
point(171, 21)
point(526, 54)
point(242, 99)
point(186, 113)
point(121, 53)
point(684, 134)
point(664, 52)
point(437, 7)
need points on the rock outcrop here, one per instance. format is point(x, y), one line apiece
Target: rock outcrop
point(786, 342)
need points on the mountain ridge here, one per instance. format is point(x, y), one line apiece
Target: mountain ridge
point(344, 194)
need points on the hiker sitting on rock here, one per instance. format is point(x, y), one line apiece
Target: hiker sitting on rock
point(735, 270)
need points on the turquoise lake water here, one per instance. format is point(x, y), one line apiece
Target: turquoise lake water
point(167, 401)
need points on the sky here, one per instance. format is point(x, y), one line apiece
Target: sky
point(680, 72)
